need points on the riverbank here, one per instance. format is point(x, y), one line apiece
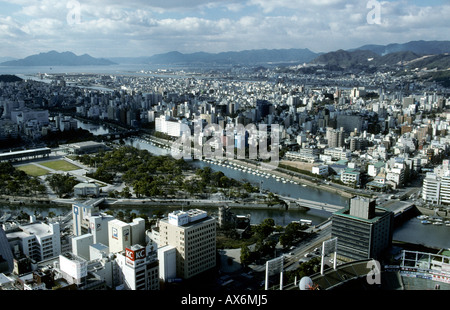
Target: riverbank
point(279, 172)
point(431, 212)
point(134, 202)
point(170, 203)
point(295, 176)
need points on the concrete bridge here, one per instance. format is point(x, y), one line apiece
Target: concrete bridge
point(314, 204)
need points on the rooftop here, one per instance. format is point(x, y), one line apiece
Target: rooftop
point(379, 213)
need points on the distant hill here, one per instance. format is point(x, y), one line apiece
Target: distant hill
point(54, 58)
point(9, 78)
point(346, 59)
point(439, 62)
point(247, 57)
point(417, 47)
point(415, 54)
point(3, 59)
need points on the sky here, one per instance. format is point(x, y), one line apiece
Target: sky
point(131, 28)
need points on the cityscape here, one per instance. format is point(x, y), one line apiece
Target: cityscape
point(203, 173)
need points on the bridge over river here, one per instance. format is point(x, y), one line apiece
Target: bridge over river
point(314, 204)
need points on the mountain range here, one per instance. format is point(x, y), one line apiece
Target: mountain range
point(261, 56)
point(420, 54)
point(54, 58)
point(415, 53)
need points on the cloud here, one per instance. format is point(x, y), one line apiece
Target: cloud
point(140, 27)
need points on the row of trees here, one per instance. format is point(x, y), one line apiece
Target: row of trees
point(16, 182)
point(266, 241)
point(149, 175)
point(62, 184)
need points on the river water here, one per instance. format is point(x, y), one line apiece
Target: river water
point(96, 130)
point(412, 231)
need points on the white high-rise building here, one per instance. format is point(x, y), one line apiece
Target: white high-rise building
point(39, 241)
point(193, 234)
point(167, 257)
point(436, 190)
point(81, 244)
point(139, 268)
point(98, 227)
point(123, 235)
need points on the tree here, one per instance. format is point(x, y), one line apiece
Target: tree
point(62, 184)
point(245, 256)
point(264, 229)
point(126, 192)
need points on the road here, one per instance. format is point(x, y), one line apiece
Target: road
point(293, 257)
point(307, 246)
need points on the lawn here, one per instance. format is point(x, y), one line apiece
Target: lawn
point(33, 170)
point(59, 165)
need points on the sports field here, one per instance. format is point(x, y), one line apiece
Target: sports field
point(59, 165)
point(33, 170)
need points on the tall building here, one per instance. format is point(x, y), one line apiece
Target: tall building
point(38, 241)
point(193, 234)
point(98, 227)
point(123, 235)
point(363, 230)
point(81, 213)
point(139, 268)
point(436, 190)
point(335, 137)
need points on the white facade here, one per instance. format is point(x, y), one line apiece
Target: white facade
point(98, 251)
point(139, 269)
point(73, 266)
point(436, 190)
point(86, 189)
point(195, 241)
point(123, 235)
point(98, 227)
point(431, 188)
point(350, 176)
point(81, 244)
point(171, 128)
point(119, 235)
point(39, 241)
point(167, 262)
point(320, 170)
point(338, 153)
point(80, 215)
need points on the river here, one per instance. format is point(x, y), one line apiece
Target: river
point(412, 231)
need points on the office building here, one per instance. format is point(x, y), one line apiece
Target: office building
point(167, 257)
point(38, 241)
point(335, 137)
point(81, 212)
point(193, 234)
point(139, 268)
point(98, 227)
point(123, 235)
point(363, 230)
point(81, 244)
point(436, 190)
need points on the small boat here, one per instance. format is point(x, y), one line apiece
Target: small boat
point(422, 217)
point(437, 223)
point(425, 222)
